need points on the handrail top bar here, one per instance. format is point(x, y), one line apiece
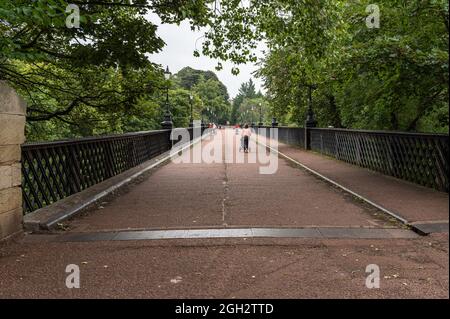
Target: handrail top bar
point(278, 126)
point(379, 132)
point(93, 138)
point(360, 131)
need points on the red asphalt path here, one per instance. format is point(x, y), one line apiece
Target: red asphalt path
point(180, 196)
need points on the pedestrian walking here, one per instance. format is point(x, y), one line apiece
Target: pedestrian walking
point(245, 134)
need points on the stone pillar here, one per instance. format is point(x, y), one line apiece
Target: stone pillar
point(12, 135)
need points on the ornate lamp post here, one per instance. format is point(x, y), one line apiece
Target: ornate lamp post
point(310, 118)
point(191, 121)
point(252, 115)
point(260, 115)
point(202, 114)
point(207, 114)
point(167, 123)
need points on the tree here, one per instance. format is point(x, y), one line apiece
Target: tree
point(82, 78)
point(395, 77)
point(246, 91)
point(249, 111)
point(214, 99)
point(392, 78)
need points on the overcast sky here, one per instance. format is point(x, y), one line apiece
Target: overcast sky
point(178, 53)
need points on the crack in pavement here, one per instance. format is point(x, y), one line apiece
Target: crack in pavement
point(225, 196)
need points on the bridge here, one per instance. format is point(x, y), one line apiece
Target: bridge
point(208, 221)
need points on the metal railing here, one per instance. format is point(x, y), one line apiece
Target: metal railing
point(52, 171)
point(288, 135)
point(415, 157)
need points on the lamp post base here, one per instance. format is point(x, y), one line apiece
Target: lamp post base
point(167, 124)
point(310, 120)
point(274, 122)
point(310, 123)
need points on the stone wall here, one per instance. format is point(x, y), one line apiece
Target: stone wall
point(12, 135)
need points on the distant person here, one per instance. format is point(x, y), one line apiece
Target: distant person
point(236, 128)
point(245, 134)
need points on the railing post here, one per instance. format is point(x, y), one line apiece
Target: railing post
point(12, 135)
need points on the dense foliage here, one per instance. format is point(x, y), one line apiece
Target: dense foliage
point(98, 79)
point(393, 78)
point(212, 95)
point(249, 106)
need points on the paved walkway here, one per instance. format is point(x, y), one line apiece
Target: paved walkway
point(204, 195)
point(138, 244)
point(227, 268)
point(415, 203)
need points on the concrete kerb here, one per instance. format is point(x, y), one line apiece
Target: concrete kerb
point(426, 228)
point(252, 232)
point(49, 217)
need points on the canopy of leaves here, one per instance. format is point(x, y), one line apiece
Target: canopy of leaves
point(188, 78)
point(246, 91)
point(391, 78)
point(394, 77)
point(77, 76)
point(83, 80)
point(253, 110)
point(217, 107)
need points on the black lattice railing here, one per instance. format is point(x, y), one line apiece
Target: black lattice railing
point(292, 135)
point(54, 170)
point(288, 135)
point(415, 157)
point(418, 158)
